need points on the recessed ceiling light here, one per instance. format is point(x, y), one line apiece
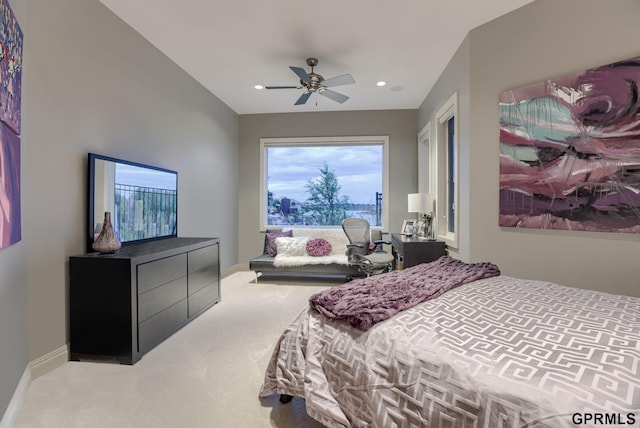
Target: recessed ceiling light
point(381, 83)
point(259, 87)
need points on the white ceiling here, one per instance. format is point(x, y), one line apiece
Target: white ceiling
point(230, 46)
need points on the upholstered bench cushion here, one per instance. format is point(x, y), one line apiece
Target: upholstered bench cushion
point(334, 264)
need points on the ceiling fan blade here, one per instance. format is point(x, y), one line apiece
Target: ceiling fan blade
point(283, 87)
point(335, 96)
point(301, 74)
point(303, 98)
point(344, 79)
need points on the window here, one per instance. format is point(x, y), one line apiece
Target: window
point(321, 181)
point(447, 146)
point(427, 169)
point(451, 174)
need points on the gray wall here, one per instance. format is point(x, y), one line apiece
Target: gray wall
point(97, 86)
point(544, 39)
point(399, 125)
point(13, 289)
point(92, 84)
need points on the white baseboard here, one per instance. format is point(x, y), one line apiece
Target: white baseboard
point(240, 267)
point(35, 369)
point(50, 361)
point(16, 401)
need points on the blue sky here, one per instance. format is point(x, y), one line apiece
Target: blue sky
point(144, 177)
point(358, 168)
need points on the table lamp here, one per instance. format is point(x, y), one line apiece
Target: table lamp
point(421, 203)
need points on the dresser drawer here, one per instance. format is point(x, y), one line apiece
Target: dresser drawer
point(203, 268)
point(159, 298)
point(156, 273)
point(160, 326)
point(202, 299)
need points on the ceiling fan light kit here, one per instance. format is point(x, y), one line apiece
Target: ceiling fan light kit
point(315, 83)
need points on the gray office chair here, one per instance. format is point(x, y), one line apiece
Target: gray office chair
point(371, 261)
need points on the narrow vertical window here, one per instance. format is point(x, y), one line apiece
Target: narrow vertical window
point(451, 175)
point(447, 172)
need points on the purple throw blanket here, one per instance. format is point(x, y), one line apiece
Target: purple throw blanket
point(367, 301)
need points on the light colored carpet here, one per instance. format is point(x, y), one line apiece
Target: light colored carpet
point(208, 374)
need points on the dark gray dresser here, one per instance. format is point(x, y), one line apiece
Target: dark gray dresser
point(122, 305)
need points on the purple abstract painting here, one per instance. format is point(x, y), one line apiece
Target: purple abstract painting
point(570, 151)
point(10, 229)
point(10, 67)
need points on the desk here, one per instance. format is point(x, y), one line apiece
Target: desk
point(408, 251)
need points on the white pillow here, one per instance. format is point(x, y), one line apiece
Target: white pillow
point(336, 237)
point(291, 246)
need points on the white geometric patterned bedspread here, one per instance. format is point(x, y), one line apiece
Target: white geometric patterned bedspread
point(499, 352)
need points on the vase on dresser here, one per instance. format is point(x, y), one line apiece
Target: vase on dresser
point(107, 242)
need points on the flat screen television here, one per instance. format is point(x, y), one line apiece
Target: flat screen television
point(142, 200)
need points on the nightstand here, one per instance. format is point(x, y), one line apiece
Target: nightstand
point(409, 251)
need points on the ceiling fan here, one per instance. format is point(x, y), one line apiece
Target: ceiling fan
point(315, 83)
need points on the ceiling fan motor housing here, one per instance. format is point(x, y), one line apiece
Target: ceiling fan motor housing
point(313, 82)
point(316, 81)
point(315, 78)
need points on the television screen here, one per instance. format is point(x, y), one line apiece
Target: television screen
point(142, 200)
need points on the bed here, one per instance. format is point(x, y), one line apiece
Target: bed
point(494, 352)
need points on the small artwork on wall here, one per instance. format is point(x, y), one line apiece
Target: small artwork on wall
point(10, 67)
point(10, 231)
point(570, 151)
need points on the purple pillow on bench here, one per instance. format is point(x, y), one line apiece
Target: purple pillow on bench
point(318, 247)
point(270, 241)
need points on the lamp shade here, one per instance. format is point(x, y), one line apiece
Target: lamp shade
point(420, 202)
point(431, 201)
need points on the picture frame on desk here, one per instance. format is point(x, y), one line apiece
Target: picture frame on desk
point(408, 226)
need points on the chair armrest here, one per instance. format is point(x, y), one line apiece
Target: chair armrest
point(377, 247)
point(382, 241)
point(355, 245)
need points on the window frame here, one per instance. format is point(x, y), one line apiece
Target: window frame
point(266, 143)
point(428, 168)
point(447, 111)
